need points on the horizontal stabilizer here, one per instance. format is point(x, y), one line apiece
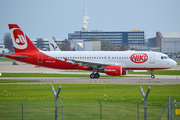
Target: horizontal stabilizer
point(18, 56)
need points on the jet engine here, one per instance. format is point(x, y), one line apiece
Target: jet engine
point(113, 70)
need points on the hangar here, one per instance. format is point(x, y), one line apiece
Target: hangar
point(169, 42)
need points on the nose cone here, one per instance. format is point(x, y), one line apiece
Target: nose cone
point(173, 63)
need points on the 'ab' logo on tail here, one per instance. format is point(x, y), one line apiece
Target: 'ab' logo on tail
point(19, 39)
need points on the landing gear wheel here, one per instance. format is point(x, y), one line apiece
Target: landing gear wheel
point(97, 75)
point(92, 76)
point(152, 76)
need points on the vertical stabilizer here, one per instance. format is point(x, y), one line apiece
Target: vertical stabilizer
point(53, 46)
point(20, 41)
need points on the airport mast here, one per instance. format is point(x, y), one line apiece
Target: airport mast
point(85, 17)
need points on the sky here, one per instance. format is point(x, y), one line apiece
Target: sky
point(48, 18)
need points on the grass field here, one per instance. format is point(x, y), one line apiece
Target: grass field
point(5, 59)
point(178, 61)
point(48, 75)
point(81, 101)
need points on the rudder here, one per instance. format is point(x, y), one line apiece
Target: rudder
point(20, 40)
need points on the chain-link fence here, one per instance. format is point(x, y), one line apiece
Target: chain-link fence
point(78, 109)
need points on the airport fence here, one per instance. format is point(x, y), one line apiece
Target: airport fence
point(80, 109)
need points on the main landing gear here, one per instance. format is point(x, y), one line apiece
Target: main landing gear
point(152, 74)
point(94, 75)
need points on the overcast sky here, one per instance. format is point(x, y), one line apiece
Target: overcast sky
point(47, 18)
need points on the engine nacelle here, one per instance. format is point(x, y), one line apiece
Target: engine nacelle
point(113, 70)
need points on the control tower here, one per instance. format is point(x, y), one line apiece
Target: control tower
point(85, 17)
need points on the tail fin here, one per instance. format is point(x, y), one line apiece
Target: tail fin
point(53, 46)
point(20, 41)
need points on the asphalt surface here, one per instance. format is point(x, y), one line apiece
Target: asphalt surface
point(135, 79)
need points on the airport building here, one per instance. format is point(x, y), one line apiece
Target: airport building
point(151, 42)
point(92, 46)
point(84, 45)
point(133, 38)
point(3, 50)
point(169, 42)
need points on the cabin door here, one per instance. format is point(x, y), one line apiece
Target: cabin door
point(40, 57)
point(152, 58)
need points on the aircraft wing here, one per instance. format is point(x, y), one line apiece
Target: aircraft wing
point(90, 63)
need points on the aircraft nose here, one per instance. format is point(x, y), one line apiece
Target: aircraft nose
point(174, 63)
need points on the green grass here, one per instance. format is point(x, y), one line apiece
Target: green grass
point(5, 59)
point(81, 101)
point(48, 75)
point(178, 61)
point(158, 72)
point(90, 91)
point(16, 81)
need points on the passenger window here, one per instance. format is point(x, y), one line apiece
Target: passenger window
point(161, 57)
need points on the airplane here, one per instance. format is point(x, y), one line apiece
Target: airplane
point(53, 46)
point(114, 63)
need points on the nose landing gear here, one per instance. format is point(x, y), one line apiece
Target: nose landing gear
point(152, 74)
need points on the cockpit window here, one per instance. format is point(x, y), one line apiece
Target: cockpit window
point(164, 57)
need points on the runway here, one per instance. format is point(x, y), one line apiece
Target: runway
point(135, 79)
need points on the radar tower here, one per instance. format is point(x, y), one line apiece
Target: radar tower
point(85, 17)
